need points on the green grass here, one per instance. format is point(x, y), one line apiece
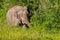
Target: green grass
point(33, 33)
point(45, 23)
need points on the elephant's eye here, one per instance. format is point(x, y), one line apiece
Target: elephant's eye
point(27, 12)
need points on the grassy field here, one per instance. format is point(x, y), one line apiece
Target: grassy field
point(45, 23)
point(33, 33)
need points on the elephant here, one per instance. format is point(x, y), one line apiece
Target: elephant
point(18, 15)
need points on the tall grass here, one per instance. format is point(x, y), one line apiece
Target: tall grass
point(45, 22)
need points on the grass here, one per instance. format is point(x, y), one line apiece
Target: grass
point(34, 33)
point(45, 22)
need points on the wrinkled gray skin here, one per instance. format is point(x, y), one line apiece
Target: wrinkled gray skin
point(16, 15)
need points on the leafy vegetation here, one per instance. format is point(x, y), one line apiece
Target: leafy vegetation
point(45, 22)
